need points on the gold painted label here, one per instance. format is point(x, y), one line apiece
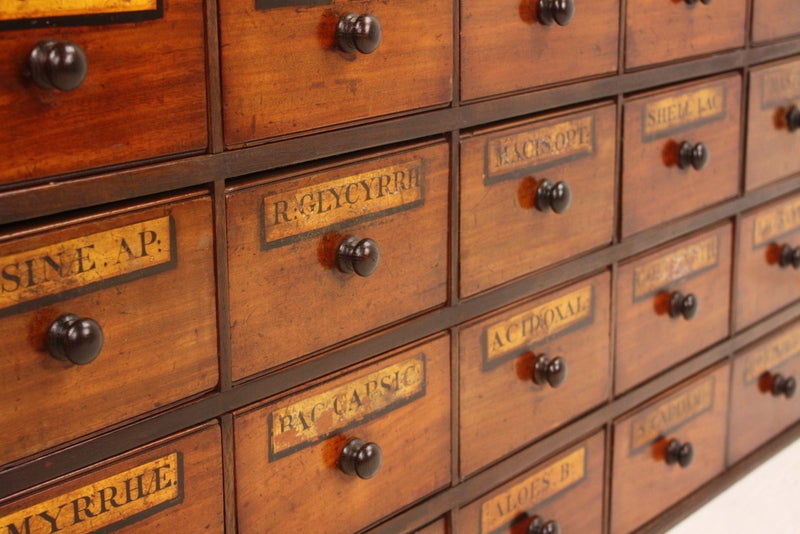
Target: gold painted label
point(60, 269)
point(674, 412)
point(779, 350)
point(780, 85)
point(775, 223)
point(106, 505)
point(313, 419)
point(16, 9)
point(675, 113)
point(289, 216)
point(510, 156)
point(682, 263)
point(501, 510)
point(541, 322)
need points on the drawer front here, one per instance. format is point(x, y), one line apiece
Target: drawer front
point(288, 293)
point(647, 476)
point(532, 368)
point(138, 74)
point(658, 322)
point(764, 400)
point(283, 70)
point(657, 31)
point(172, 486)
point(567, 489)
point(504, 234)
point(124, 283)
point(437, 527)
point(505, 47)
point(773, 121)
point(658, 184)
point(766, 278)
point(773, 19)
point(291, 454)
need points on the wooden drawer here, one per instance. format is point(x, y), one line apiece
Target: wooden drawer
point(289, 296)
point(567, 489)
point(126, 279)
point(283, 70)
point(772, 145)
point(504, 402)
point(504, 234)
point(657, 183)
point(437, 527)
point(773, 19)
point(692, 420)
point(289, 453)
point(145, 82)
point(764, 400)
point(657, 30)
point(649, 338)
point(505, 47)
point(765, 282)
point(171, 486)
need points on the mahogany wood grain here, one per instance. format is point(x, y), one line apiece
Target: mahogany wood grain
point(504, 47)
point(282, 71)
point(414, 438)
point(774, 19)
point(663, 30)
point(501, 408)
point(159, 329)
point(648, 339)
point(143, 97)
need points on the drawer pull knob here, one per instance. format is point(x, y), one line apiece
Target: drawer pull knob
point(550, 196)
point(360, 256)
point(547, 371)
point(358, 33)
point(680, 453)
point(783, 385)
point(558, 11)
point(360, 458)
point(683, 305)
point(78, 340)
point(540, 526)
point(58, 65)
point(793, 119)
point(690, 155)
point(789, 257)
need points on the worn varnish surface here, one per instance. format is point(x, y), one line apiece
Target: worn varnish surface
point(413, 436)
point(654, 188)
point(501, 408)
point(159, 328)
point(503, 235)
point(773, 19)
point(663, 30)
point(643, 485)
point(505, 48)
point(145, 82)
point(321, 85)
point(648, 339)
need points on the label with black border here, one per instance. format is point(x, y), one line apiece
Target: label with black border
point(775, 223)
point(771, 356)
point(780, 85)
point(53, 13)
point(673, 114)
point(263, 5)
point(681, 264)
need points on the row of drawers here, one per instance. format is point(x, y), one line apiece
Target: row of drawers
point(283, 71)
point(376, 439)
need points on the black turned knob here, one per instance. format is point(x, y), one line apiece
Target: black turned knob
point(783, 385)
point(550, 196)
point(558, 11)
point(547, 371)
point(360, 256)
point(690, 155)
point(360, 458)
point(683, 305)
point(75, 339)
point(358, 33)
point(789, 257)
point(539, 526)
point(680, 453)
point(58, 65)
point(793, 118)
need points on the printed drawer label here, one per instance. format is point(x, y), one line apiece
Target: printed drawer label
point(688, 261)
point(40, 13)
point(779, 350)
point(780, 85)
point(673, 114)
point(776, 223)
